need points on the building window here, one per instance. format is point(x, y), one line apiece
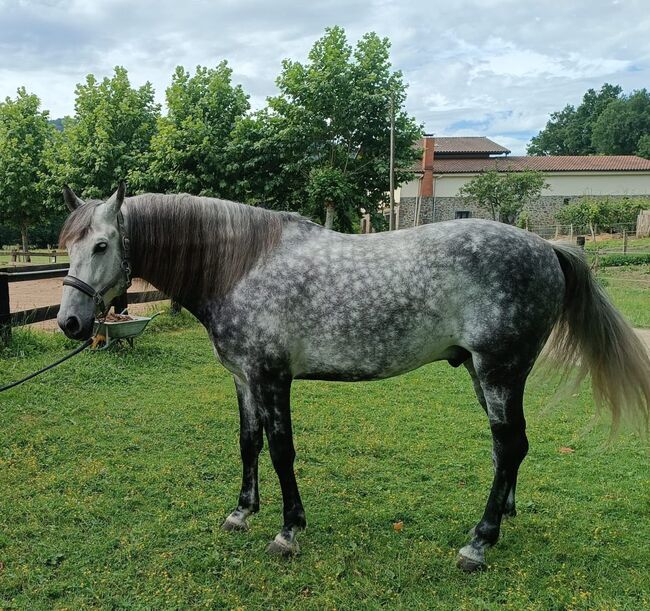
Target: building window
point(462, 214)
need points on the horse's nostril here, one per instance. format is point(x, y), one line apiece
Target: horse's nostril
point(72, 325)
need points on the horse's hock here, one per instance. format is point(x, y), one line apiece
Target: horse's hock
point(643, 224)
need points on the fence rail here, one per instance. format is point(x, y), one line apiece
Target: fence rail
point(9, 319)
point(16, 255)
point(618, 238)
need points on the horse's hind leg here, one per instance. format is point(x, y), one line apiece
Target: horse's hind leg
point(503, 389)
point(510, 510)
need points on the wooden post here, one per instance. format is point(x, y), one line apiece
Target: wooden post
point(571, 232)
point(391, 221)
point(557, 230)
point(624, 241)
point(5, 312)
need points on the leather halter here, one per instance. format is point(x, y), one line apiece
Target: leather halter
point(125, 272)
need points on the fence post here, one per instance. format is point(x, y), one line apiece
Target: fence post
point(557, 231)
point(5, 312)
point(624, 241)
point(571, 232)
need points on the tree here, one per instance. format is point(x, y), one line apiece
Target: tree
point(503, 194)
point(569, 131)
point(106, 140)
point(643, 146)
point(623, 124)
point(24, 135)
point(322, 145)
point(593, 213)
point(189, 152)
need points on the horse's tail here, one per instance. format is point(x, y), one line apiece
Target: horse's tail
point(592, 333)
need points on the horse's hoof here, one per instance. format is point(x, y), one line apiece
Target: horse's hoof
point(470, 560)
point(283, 547)
point(235, 524)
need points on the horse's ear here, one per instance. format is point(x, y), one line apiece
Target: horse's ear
point(117, 199)
point(71, 200)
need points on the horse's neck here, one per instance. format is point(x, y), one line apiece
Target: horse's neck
point(201, 254)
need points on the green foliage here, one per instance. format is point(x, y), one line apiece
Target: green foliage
point(325, 137)
point(620, 126)
point(25, 132)
point(643, 146)
point(189, 153)
point(106, 140)
point(618, 260)
point(503, 194)
point(602, 212)
point(523, 220)
point(606, 122)
point(569, 131)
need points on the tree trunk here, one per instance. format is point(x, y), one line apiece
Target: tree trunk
point(330, 213)
point(23, 233)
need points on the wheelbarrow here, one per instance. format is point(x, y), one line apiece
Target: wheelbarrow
point(109, 332)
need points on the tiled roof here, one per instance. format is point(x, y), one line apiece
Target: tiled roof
point(467, 144)
point(568, 163)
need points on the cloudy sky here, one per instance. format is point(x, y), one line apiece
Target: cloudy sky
point(474, 67)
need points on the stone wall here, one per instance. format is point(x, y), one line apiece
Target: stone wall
point(541, 212)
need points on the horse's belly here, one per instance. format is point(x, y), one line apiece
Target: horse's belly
point(363, 358)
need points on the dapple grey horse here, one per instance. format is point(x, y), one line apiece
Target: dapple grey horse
point(283, 298)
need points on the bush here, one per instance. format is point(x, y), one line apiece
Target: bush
point(621, 260)
point(607, 212)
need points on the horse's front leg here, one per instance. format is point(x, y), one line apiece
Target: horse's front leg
point(250, 444)
point(275, 396)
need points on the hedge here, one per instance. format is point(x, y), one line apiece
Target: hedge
point(616, 260)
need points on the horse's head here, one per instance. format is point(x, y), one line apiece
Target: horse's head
point(94, 235)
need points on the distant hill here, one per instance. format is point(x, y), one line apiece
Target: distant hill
point(58, 123)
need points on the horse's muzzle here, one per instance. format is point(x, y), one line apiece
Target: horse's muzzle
point(74, 328)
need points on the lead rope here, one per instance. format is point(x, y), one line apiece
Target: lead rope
point(77, 350)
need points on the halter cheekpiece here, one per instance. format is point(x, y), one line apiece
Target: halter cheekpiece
point(125, 271)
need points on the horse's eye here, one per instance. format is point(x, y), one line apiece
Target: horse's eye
point(100, 247)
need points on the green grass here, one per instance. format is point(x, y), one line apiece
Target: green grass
point(5, 258)
point(616, 245)
point(117, 469)
point(629, 288)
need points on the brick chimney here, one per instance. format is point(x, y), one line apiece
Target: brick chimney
point(427, 166)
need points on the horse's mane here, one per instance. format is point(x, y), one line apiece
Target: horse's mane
point(190, 247)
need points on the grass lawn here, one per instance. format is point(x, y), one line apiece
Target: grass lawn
point(629, 288)
point(117, 470)
point(616, 245)
point(5, 259)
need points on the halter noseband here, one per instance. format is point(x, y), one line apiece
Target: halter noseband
point(98, 295)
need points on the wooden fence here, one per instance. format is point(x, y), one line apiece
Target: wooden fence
point(16, 255)
point(9, 319)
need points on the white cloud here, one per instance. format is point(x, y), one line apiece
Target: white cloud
point(490, 67)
